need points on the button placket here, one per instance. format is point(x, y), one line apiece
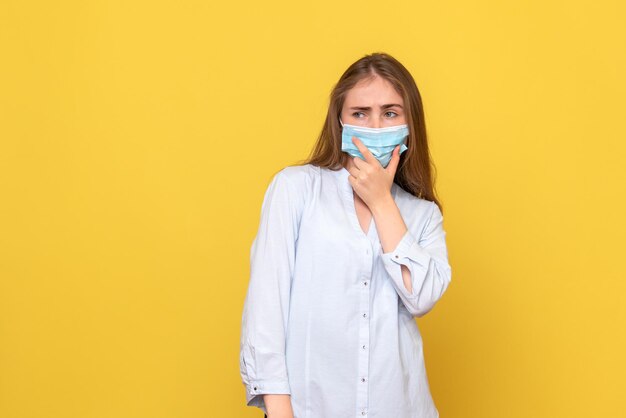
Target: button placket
point(364, 332)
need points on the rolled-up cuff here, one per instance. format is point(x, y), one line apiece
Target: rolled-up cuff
point(257, 388)
point(408, 247)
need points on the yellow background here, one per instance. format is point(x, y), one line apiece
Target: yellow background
point(137, 140)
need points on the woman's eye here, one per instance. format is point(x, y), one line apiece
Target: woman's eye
point(392, 112)
point(356, 113)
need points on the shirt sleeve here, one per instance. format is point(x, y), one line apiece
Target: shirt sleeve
point(266, 307)
point(427, 260)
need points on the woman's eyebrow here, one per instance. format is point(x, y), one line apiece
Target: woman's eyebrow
point(385, 106)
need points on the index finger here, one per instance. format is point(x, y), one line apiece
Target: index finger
point(369, 157)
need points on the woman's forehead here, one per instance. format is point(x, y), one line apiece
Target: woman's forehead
point(372, 92)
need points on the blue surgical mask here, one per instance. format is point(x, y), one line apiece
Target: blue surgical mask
point(380, 141)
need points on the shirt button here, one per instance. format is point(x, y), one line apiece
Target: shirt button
point(363, 347)
point(255, 388)
point(396, 255)
point(363, 412)
point(362, 379)
point(364, 283)
point(364, 315)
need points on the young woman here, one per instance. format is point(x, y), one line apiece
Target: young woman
point(350, 249)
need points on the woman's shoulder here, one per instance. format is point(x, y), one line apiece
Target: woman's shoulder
point(293, 183)
point(301, 175)
point(300, 170)
point(416, 203)
point(416, 210)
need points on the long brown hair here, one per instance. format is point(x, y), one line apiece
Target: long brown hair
point(414, 169)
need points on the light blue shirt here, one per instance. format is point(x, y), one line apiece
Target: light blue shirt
point(327, 318)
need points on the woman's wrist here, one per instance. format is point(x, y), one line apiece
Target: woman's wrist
point(383, 206)
point(278, 405)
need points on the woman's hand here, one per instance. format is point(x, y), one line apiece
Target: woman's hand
point(369, 179)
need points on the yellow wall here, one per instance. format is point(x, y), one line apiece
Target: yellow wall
point(137, 139)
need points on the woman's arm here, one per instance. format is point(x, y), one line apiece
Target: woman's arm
point(278, 406)
point(266, 308)
point(391, 228)
point(418, 267)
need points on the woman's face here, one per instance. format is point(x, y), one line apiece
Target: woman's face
point(373, 103)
